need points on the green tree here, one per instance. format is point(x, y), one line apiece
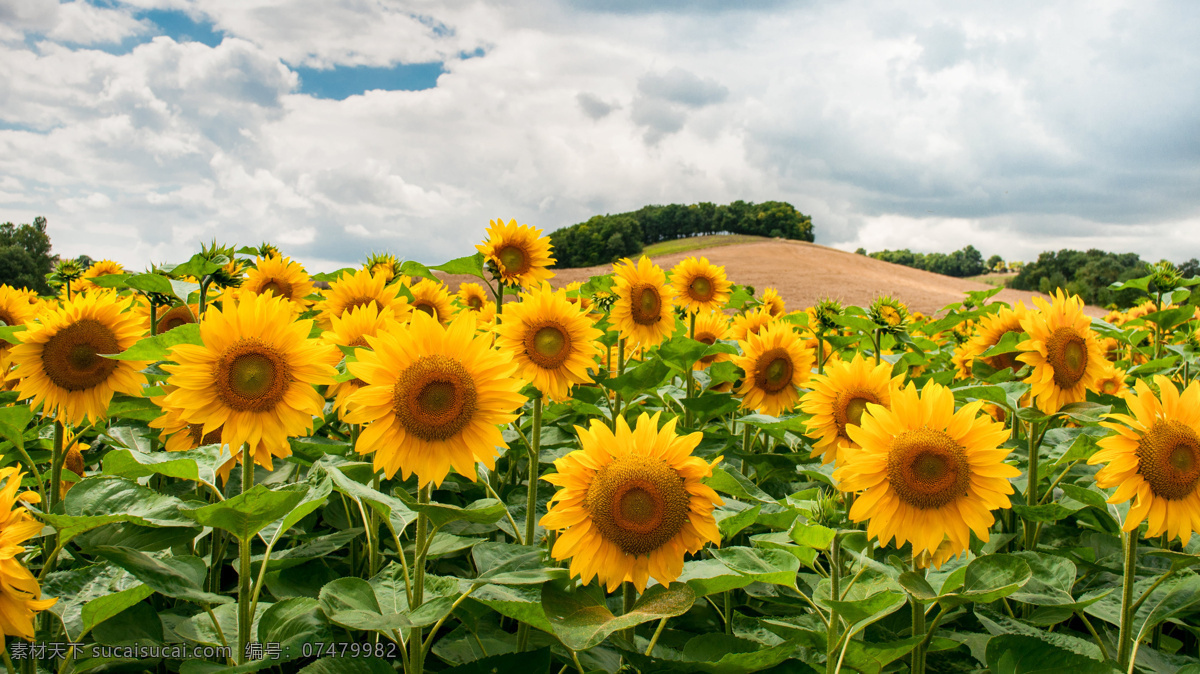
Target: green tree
point(25, 255)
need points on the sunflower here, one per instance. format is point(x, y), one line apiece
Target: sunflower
point(750, 323)
point(925, 473)
point(359, 289)
point(1112, 381)
point(699, 285)
point(711, 327)
point(472, 296)
point(352, 329)
point(775, 362)
point(631, 504)
point(642, 310)
point(575, 296)
point(177, 434)
point(991, 330)
point(19, 590)
point(180, 314)
point(518, 254)
point(1153, 457)
point(253, 377)
point(384, 264)
point(889, 314)
point(15, 309)
point(773, 303)
point(72, 461)
point(280, 277)
point(1065, 355)
point(551, 340)
point(59, 361)
point(838, 399)
point(98, 268)
point(432, 297)
point(434, 398)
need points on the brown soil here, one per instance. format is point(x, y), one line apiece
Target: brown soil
point(805, 273)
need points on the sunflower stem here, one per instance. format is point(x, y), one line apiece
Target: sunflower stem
point(1031, 487)
point(204, 283)
point(616, 410)
point(1128, 608)
point(918, 627)
point(1099, 642)
point(688, 378)
point(628, 598)
point(416, 655)
point(746, 444)
point(728, 612)
point(657, 632)
point(820, 355)
point(535, 453)
point(835, 592)
point(52, 492)
point(878, 340)
point(245, 589)
point(8, 666)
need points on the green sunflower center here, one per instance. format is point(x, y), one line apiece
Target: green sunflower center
point(645, 304)
point(638, 503)
point(434, 398)
point(927, 469)
point(277, 287)
point(1169, 459)
point(514, 259)
point(701, 289)
point(71, 358)
point(849, 406)
point(252, 376)
point(548, 346)
point(1066, 352)
point(774, 371)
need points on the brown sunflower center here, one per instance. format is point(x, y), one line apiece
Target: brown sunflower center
point(927, 468)
point(514, 259)
point(252, 376)
point(773, 371)
point(849, 406)
point(548, 346)
point(175, 317)
point(426, 306)
point(358, 302)
point(1169, 459)
point(434, 398)
point(279, 287)
point(1110, 386)
point(638, 503)
point(72, 360)
point(645, 304)
point(709, 339)
point(475, 302)
point(7, 318)
point(1005, 360)
point(701, 289)
point(199, 438)
point(1066, 351)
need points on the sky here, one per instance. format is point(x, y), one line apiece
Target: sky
point(335, 129)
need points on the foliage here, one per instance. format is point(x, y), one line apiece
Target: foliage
point(25, 255)
point(1088, 275)
point(607, 238)
point(963, 262)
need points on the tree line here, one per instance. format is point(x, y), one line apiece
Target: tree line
point(964, 262)
point(25, 257)
point(604, 239)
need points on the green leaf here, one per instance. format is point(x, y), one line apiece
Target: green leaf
point(719, 654)
point(414, 268)
point(1052, 580)
point(765, 566)
point(247, 513)
point(997, 623)
point(197, 465)
point(179, 577)
point(1007, 344)
point(96, 501)
point(508, 564)
point(351, 602)
point(1179, 560)
point(709, 576)
point(1013, 653)
point(1182, 596)
point(1169, 318)
point(730, 523)
point(736, 485)
point(197, 266)
point(292, 623)
point(582, 620)
point(313, 499)
point(13, 421)
point(530, 662)
point(646, 376)
point(9, 333)
point(523, 603)
point(89, 595)
point(158, 347)
point(711, 405)
point(340, 665)
point(812, 535)
point(682, 352)
point(483, 511)
point(1047, 512)
point(862, 612)
point(471, 265)
point(991, 577)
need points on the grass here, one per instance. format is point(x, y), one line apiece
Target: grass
point(699, 242)
point(1000, 280)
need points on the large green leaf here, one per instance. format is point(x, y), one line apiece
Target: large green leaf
point(344, 665)
point(247, 513)
point(765, 566)
point(509, 564)
point(991, 577)
point(582, 620)
point(1178, 600)
point(180, 577)
point(529, 662)
point(352, 603)
point(292, 623)
point(96, 501)
point(159, 346)
point(1051, 583)
point(719, 654)
point(316, 497)
point(731, 522)
point(13, 420)
point(471, 265)
point(709, 576)
point(736, 485)
point(89, 595)
point(645, 376)
point(197, 465)
point(483, 511)
point(1020, 654)
point(395, 511)
point(860, 613)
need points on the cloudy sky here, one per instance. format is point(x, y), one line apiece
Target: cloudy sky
point(140, 129)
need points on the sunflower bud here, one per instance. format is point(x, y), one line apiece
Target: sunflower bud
point(889, 314)
point(68, 270)
point(384, 263)
point(1164, 277)
point(826, 311)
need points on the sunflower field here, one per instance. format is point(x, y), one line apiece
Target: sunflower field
point(653, 471)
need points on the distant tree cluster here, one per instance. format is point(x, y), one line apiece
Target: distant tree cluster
point(607, 238)
point(25, 255)
point(960, 263)
point(1085, 274)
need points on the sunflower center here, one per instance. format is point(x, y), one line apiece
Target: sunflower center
point(927, 468)
point(890, 315)
point(434, 398)
point(475, 302)
point(426, 306)
point(174, 318)
point(7, 318)
point(638, 503)
point(548, 346)
point(356, 303)
point(1005, 360)
point(709, 339)
point(514, 259)
point(645, 304)
point(278, 287)
point(252, 376)
point(72, 360)
point(199, 438)
point(1110, 386)
point(1066, 351)
point(701, 289)
point(848, 408)
point(774, 371)
point(1169, 459)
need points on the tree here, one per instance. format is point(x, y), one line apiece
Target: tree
point(25, 255)
point(995, 263)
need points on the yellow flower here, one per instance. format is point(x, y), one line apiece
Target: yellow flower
point(433, 399)
point(775, 362)
point(991, 330)
point(383, 264)
point(711, 327)
point(519, 253)
point(359, 289)
point(1062, 349)
point(925, 473)
point(72, 461)
point(773, 303)
point(432, 298)
point(631, 504)
point(1153, 457)
point(280, 277)
point(180, 314)
point(352, 329)
point(838, 399)
point(254, 375)
point(551, 340)
point(750, 323)
point(59, 362)
point(98, 268)
point(472, 296)
point(15, 309)
point(20, 595)
point(642, 311)
point(699, 285)
point(1112, 381)
point(177, 434)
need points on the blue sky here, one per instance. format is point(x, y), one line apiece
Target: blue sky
point(140, 129)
